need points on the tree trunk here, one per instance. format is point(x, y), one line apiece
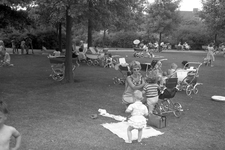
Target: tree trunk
point(215, 39)
point(68, 61)
point(60, 36)
point(90, 24)
point(103, 41)
point(159, 42)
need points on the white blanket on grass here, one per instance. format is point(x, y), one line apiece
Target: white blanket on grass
point(120, 129)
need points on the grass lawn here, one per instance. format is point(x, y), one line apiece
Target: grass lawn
point(56, 116)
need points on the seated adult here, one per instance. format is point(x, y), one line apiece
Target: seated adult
point(135, 81)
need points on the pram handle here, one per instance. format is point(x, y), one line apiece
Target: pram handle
point(195, 63)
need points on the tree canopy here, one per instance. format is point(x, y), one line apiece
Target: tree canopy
point(162, 16)
point(213, 16)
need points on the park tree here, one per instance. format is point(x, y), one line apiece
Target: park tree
point(18, 19)
point(163, 17)
point(71, 9)
point(213, 16)
point(13, 17)
point(109, 15)
point(47, 18)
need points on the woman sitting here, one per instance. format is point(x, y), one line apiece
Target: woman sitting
point(133, 82)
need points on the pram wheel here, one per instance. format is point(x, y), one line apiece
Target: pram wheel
point(195, 90)
point(189, 90)
point(177, 109)
point(89, 62)
point(96, 62)
point(177, 113)
point(165, 105)
point(58, 77)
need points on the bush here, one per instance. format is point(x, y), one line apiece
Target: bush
point(119, 39)
point(49, 39)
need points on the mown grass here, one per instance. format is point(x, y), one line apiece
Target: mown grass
point(55, 115)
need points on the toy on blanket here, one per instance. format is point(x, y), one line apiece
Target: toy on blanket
point(103, 112)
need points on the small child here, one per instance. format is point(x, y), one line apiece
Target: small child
point(75, 55)
point(151, 92)
point(6, 59)
point(207, 61)
point(172, 71)
point(185, 64)
point(109, 61)
point(6, 132)
point(137, 119)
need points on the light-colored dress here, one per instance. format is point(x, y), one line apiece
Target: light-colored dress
point(210, 54)
point(137, 119)
point(7, 58)
point(128, 92)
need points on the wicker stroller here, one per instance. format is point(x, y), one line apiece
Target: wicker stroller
point(58, 67)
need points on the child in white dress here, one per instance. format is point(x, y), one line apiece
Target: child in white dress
point(137, 120)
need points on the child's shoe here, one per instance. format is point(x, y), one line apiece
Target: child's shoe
point(129, 142)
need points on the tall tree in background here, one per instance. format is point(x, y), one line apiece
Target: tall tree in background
point(163, 17)
point(49, 18)
point(116, 14)
point(213, 15)
point(71, 9)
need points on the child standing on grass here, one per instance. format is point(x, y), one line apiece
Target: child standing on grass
point(137, 119)
point(210, 55)
point(6, 132)
point(151, 91)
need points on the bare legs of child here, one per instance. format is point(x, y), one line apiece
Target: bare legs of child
point(151, 103)
point(129, 134)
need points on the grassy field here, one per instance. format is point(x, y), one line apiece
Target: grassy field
point(56, 116)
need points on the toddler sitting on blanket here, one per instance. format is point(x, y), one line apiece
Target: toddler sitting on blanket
point(137, 119)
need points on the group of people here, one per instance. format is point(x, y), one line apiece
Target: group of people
point(184, 46)
point(25, 45)
point(142, 93)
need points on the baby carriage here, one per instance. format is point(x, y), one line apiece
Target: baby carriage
point(93, 59)
point(58, 67)
point(139, 52)
point(188, 78)
point(111, 60)
point(124, 69)
point(147, 67)
point(166, 104)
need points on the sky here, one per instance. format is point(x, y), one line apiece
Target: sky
point(188, 5)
